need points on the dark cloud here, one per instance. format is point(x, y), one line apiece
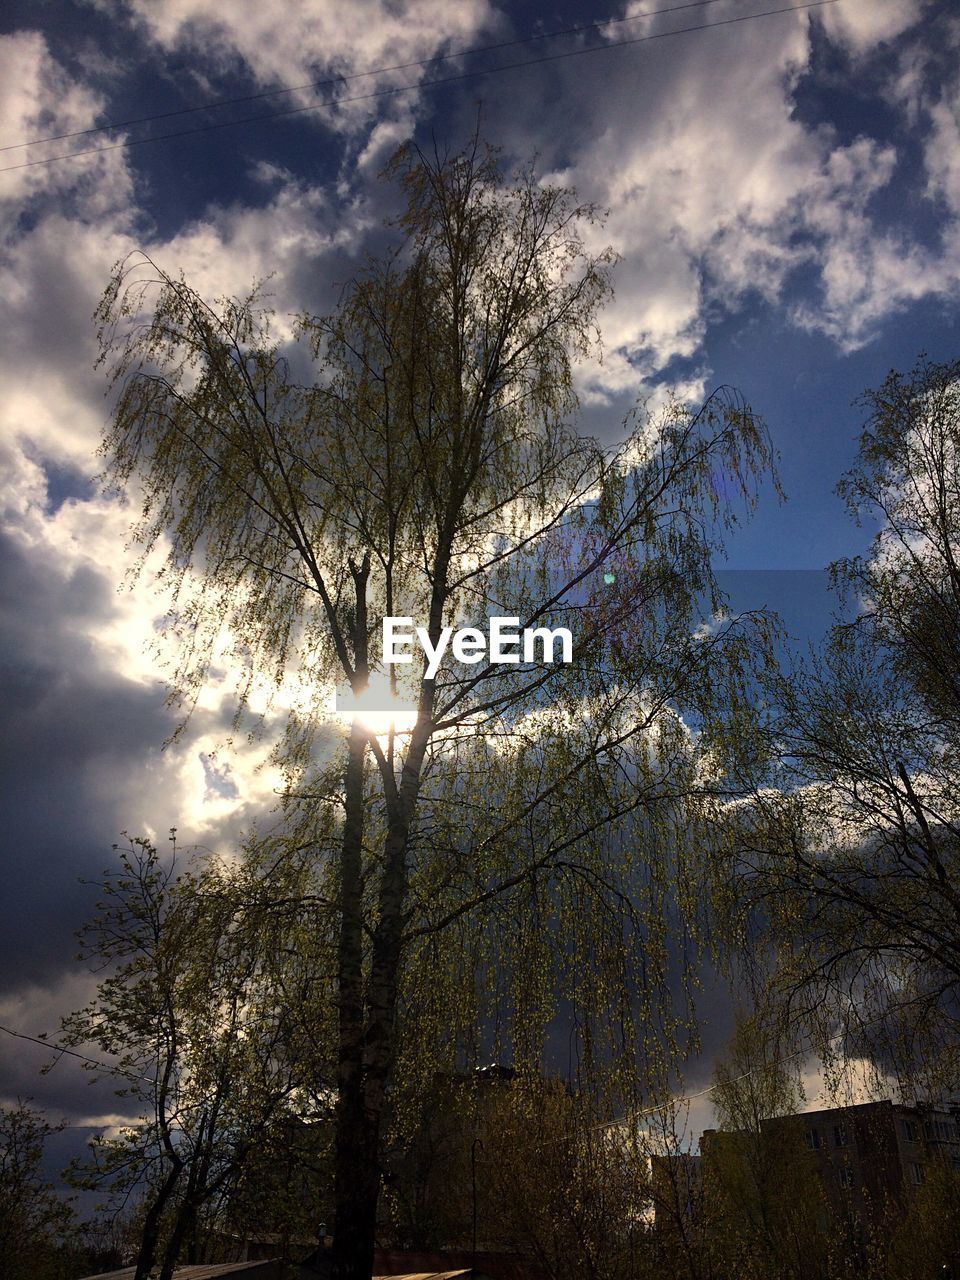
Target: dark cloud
point(73, 734)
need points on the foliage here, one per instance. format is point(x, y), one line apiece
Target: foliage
point(37, 1224)
point(202, 1013)
point(757, 1079)
point(570, 1188)
point(766, 1212)
point(535, 834)
point(850, 858)
point(922, 1237)
point(519, 1162)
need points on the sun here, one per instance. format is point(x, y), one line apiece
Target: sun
point(377, 708)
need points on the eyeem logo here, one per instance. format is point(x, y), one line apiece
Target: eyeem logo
point(470, 645)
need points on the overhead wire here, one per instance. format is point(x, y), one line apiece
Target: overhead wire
point(60, 1049)
point(359, 75)
point(424, 84)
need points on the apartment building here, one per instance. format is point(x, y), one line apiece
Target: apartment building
point(867, 1153)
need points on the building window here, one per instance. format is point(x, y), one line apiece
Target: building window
point(813, 1139)
point(910, 1130)
point(840, 1135)
point(846, 1178)
point(917, 1174)
point(940, 1131)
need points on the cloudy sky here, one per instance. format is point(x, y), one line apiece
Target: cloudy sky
point(784, 191)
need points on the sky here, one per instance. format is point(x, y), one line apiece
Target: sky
point(783, 191)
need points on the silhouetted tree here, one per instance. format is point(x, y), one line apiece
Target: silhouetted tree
point(851, 856)
point(522, 828)
point(37, 1225)
point(202, 1027)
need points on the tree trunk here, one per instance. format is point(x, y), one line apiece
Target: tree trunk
point(151, 1224)
point(185, 1222)
point(367, 1021)
point(364, 1076)
point(354, 1227)
point(357, 1189)
point(356, 1168)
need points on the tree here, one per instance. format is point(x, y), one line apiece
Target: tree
point(201, 1027)
point(563, 1186)
point(36, 1223)
point(530, 815)
point(518, 1161)
point(922, 1237)
point(765, 1206)
point(852, 856)
point(675, 1190)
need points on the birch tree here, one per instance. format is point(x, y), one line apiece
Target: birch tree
point(525, 832)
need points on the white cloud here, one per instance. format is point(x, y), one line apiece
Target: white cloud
point(866, 274)
point(38, 99)
point(51, 279)
point(943, 150)
point(704, 184)
point(53, 268)
point(846, 1082)
point(717, 189)
point(863, 25)
point(300, 42)
point(286, 239)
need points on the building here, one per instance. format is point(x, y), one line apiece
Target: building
point(868, 1153)
point(676, 1187)
point(803, 1185)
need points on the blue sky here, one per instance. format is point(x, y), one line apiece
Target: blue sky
point(784, 194)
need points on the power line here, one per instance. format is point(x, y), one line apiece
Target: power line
point(358, 75)
point(425, 84)
point(62, 1049)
